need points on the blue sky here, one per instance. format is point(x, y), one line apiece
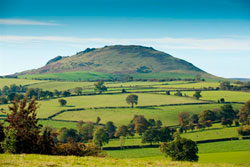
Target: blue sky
point(213, 35)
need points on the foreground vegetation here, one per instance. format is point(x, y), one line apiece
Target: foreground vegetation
point(45, 160)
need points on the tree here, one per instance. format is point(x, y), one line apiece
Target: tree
point(167, 92)
point(208, 123)
point(62, 102)
point(225, 85)
point(178, 93)
point(98, 119)
point(68, 135)
point(191, 126)
point(9, 143)
point(78, 90)
point(245, 113)
point(194, 118)
point(100, 137)
point(11, 96)
point(198, 77)
point(3, 100)
point(206, 115)
point(197, 94)
point(132, 99)
point(110, 128)
point(86, 132)
point(141, 124)
point(57, 93)
point(66, 94)
point(129, 78)
point(183, 118)
point(30, 93)
point(151, 123)
point(46, 141)
point(150, 136)
point(181, 149)
point(122, 131)
point(158, 123)
point(228, 114)
point(99, 86)
point(165, 134)
point(23, 121)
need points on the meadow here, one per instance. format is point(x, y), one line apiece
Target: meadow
point(167, 114)
point(229, 96)
point(48, 161)
point(234, 152)
point(10, 81)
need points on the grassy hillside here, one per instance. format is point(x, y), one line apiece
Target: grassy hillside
point(44, 160)
point(139, 61)
point(93, 76)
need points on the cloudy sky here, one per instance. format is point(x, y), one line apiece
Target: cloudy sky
point(213, 35)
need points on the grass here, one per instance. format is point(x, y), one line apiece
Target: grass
point(168, 114)
point(219, 152)
point(70, 76)
point(229, 96)
point(61, 86)
point(198, 85)
point(215, 132)
point(10, 81)
point(225, 146)
point(57, 124)
point(49, 161)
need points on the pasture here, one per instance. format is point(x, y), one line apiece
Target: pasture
point(122, 116)
point(10, 81)
point(229, 96)
point(235, 152)
point(32, 160)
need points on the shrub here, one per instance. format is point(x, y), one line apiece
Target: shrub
point(181, 149)
point(77, 149)
point(244, 131)
point(22, 120)
point(9, 143)
point(62, 102)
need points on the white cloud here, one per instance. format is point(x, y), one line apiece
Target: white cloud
point(164, 43)
point(25, 22)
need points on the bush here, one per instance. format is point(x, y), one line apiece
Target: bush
point(9, 143)
point(62, 102)
point(181, 149)
point(244, 131)
point(77, 149)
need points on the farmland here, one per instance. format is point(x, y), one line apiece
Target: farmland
point(153, 103)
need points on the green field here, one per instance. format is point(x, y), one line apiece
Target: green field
point(10, 81)
point(220, 152)
point(168, 114)
point(49, 161)
point(198, 85)
point(229, 96)
point(49, 107)
point(70, 76)
point(217, 131)
point(61, 86)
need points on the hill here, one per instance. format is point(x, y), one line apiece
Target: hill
point(119, 60)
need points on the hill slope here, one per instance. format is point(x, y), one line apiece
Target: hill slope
point(119, 59)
